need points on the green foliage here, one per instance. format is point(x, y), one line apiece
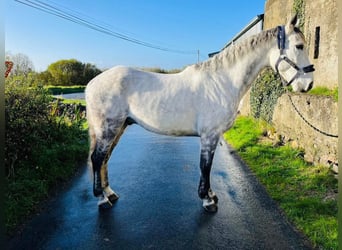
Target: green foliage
point(61, 73)
point(43, 78)
point(70, 72)
point(27, 80)
point(27, 113)
point(264, 94)
point(306, 193)
point(73, 101)
point(41, 150)
point(324, 91)
point(59, 90)
point(299, 9)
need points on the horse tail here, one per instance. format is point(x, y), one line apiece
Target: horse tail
point(92, 145)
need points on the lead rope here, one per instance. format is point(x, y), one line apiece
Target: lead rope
point(308, 123)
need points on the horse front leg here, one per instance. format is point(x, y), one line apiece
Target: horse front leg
point(209, 198)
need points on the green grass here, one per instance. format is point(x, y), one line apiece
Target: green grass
point(58, 90)
point(324, 91)
point(306, 193)
point(73, 101)
point(49, 166)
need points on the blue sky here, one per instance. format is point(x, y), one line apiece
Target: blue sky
point(186, 25)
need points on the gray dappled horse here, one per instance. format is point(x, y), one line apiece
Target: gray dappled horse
point(202, 100)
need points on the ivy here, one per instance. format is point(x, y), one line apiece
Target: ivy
point(299, 9)
point(264, 94)
point(267, 87)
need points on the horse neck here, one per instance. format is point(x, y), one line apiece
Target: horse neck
point(241, 63)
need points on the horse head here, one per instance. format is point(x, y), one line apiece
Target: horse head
point(291, 59)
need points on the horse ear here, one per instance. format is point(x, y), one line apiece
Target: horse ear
point(294, 20)
point(292, 23)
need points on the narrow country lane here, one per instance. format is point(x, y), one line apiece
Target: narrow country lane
point(156, 178)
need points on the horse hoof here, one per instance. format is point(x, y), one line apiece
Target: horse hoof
point(104, 203)
point(211, 208)
point(212, 196)
point(113, 198)
point(210, 204)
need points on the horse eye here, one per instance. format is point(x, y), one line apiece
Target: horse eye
point(300, 46)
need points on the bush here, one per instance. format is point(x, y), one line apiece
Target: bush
point(41, 150)
point(27, 122)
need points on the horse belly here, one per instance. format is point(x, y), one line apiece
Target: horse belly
point(166, 118)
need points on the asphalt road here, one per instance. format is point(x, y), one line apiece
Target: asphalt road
point(156, 178)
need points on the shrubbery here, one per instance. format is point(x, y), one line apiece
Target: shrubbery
point(41, 149)
point(27, 123)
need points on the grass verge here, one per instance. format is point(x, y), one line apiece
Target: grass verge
point(306, 193)
point(52, 162)
point(73, 101)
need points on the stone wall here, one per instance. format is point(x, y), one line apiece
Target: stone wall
point(322, 14)
point(277, 12)
point(319, 148)
point(321, 112)
point(319, 14)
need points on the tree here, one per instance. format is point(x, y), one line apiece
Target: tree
point(89, 72)
point(22, 65)
point(71, 72)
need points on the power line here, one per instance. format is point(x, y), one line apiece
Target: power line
point(53, 10)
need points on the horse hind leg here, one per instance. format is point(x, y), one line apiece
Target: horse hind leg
point(100, 155)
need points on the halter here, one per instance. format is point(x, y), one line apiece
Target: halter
point(294, 70)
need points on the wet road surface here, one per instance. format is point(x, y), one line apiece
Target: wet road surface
point(156, 178)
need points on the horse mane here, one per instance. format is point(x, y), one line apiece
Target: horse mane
point(234, 52)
